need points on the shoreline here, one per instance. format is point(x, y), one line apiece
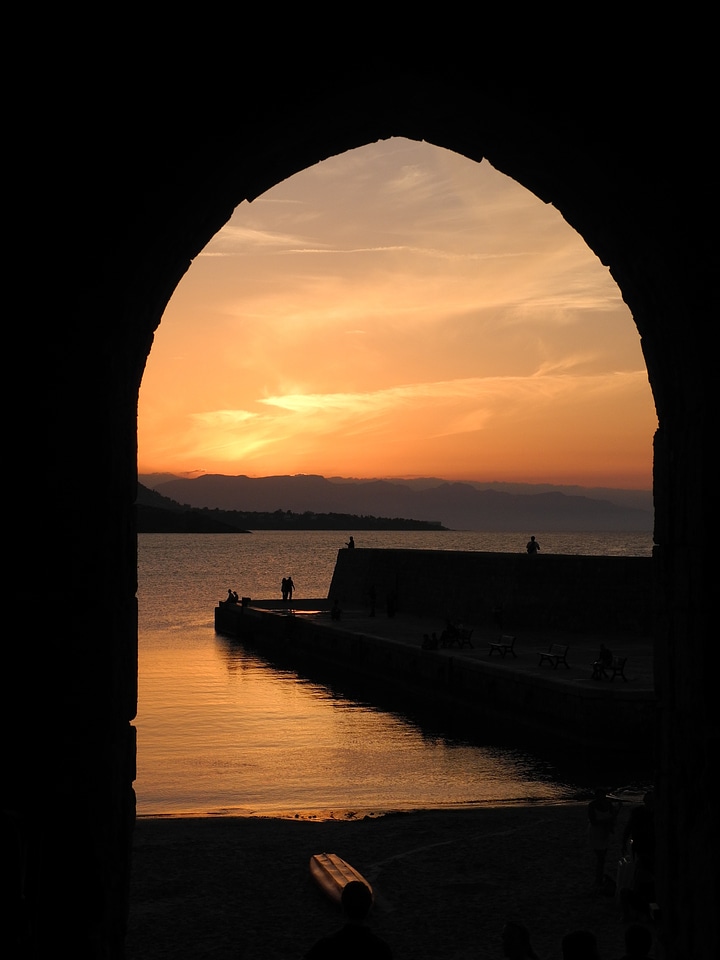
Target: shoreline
point(445, 880)
point(358, 814)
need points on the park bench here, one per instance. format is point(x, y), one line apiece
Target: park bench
point(503, 645)
point(556, 653)
point(615, 667)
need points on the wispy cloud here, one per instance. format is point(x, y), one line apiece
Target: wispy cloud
point(475, 399)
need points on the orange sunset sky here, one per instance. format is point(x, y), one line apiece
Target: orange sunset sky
point(399, 311)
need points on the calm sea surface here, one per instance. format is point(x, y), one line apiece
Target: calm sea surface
point(222, 732)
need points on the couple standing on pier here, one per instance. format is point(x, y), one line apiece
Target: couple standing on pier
point(286, 588)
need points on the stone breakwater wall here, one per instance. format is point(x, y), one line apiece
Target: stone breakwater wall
point(466, 690)
point(600, 595)
point(610, 596)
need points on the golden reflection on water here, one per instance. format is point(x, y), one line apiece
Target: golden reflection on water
point(226, 732)
point(220, 732)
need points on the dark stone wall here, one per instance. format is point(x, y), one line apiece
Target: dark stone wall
point(598, 595)
point(477, 695)
point(120, 170)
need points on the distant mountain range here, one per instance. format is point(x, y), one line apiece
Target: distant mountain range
point(156, 513)
point(490, 507)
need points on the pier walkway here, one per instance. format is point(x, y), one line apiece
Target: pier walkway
point(405, 629)
point(563, 703)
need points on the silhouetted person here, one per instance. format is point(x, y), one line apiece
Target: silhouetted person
point(640, 829)
point(580, 945)
point(532, 546)
point(516, 942)
point(452, 632)
point(232, 597)
point(351, 543)
point(290, 587)
point(601, 825)
point(284, 588)
point(603, 662)
point(355, 940)
point(638, 943)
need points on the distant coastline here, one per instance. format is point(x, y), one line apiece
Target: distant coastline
point(156, 513)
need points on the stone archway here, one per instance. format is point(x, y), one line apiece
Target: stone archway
point(142, 189)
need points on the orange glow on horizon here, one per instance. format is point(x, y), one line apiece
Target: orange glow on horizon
point(399, 311)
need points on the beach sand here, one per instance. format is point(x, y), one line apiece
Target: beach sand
point(445, 882)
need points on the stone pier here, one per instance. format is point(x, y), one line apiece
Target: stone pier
point(382, 645)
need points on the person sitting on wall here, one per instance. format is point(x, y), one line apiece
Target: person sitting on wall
point(450, 634)
point(604, 660)
point(351, 543)
point(232, 597)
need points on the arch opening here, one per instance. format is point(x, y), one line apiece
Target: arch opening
point(581, 299)
point(408, 301)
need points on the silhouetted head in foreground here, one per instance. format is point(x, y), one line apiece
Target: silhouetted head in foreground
point(580, 945)
point(356, 901)
point(516, 942)
point(638, 941)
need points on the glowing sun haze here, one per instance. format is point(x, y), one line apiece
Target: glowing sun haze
point(399, 311)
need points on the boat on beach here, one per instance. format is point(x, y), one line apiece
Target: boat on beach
point(332, 874)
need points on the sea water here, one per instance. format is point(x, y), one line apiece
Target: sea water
point(221, 731)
